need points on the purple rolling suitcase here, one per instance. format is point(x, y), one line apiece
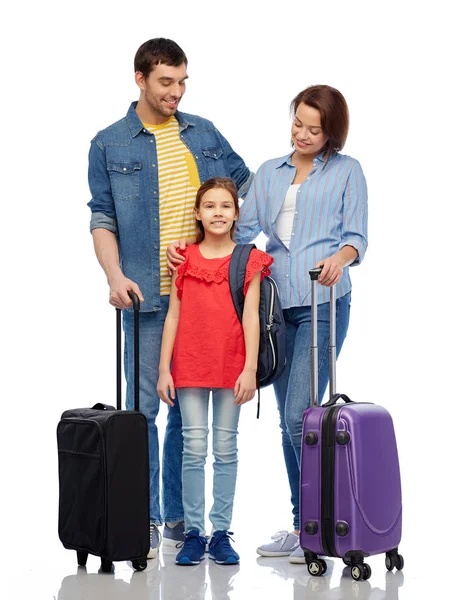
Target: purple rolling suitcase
point(350, 499)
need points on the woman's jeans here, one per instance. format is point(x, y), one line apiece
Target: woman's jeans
point(292, 389)
point(194, 406)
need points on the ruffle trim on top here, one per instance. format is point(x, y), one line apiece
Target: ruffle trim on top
point(258, 261)
point(217, 275)
point(209, 275)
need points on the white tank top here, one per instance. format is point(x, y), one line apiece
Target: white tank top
point(284, 221)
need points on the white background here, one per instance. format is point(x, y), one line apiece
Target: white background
point(67, 72)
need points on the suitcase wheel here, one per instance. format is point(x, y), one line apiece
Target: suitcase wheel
point(106, 566)
point(140, 564)
point(394, 560)
point(361, 571)
point(317, 567)
point(82, 557)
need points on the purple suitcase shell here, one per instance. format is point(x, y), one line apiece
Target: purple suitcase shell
point(365, 494)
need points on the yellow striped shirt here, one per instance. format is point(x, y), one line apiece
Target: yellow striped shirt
point(178, 184)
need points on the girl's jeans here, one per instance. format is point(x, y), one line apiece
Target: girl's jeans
point(194, 405)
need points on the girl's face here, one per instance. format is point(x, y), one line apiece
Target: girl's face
point(307, 135)
point(216, 211)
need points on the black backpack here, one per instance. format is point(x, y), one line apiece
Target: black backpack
point(272, 344)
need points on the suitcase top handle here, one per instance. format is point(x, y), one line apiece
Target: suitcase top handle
point(337, 397)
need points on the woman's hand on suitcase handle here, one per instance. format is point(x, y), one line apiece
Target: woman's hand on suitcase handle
point(165, 384)
point(119, 286)
point(333, 266)
point(332, 269)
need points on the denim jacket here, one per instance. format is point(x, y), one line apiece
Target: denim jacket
point(123, 180)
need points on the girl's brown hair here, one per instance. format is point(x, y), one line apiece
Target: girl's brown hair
point(224, 183)
point(334, 117)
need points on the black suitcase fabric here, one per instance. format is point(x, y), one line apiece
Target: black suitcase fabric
point(103, 466)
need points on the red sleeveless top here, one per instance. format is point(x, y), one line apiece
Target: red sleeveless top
point(209, 349)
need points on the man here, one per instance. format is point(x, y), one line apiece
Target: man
point(144, 172)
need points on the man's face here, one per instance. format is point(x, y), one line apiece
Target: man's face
point(162, 90)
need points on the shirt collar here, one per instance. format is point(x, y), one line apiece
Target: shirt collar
point(183, 120)
point(133, 120)
point(286, 160)
point(135, 124)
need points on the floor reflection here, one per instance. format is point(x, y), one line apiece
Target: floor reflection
point(160, 581)
point(163, 580)
point(306, 587)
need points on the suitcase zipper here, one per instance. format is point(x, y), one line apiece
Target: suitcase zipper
point(328, 460)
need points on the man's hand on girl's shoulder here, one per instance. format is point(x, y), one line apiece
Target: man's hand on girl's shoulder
point(173, 258)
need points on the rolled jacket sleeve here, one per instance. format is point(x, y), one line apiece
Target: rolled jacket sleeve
point(101, 204)
point(354, 232)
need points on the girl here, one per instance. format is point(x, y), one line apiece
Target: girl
point(312, 206)
point(210, 351)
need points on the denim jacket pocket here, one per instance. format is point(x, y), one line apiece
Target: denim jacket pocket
point(214, 161)
point(125, 180)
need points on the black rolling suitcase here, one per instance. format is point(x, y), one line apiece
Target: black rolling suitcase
point(103, 464)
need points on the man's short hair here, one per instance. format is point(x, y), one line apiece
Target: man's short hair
point(156, 51)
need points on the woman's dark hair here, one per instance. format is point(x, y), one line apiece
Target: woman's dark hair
point(156, 51)
point(224, 183)
point(333, 110)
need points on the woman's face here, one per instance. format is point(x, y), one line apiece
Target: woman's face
point(307, 135)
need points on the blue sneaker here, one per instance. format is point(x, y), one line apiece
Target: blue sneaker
point(193, 549)
point(220, 549)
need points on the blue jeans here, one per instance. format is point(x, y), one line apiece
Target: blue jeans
point(151, 329)
point(292, 389)
point(194, 406)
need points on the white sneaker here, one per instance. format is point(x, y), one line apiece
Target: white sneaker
point(156, 540)
point(283, 544)
point(297, 557)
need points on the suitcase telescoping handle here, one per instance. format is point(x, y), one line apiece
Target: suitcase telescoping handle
point(136, 353)
point(314, 274)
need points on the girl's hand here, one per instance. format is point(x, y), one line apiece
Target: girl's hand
point(164, 384)
point(173, 258)
point(245, 386)
point(332, 270)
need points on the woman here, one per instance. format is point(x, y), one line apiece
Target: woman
point(312, 206)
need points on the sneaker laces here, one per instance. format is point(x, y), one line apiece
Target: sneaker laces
point(192, 536)
point(154, 529)
point(220, 536)
point(281, 535)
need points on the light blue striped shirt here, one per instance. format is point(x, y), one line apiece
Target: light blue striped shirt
point(330, 213)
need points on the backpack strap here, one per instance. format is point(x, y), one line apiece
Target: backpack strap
point(237, 274)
